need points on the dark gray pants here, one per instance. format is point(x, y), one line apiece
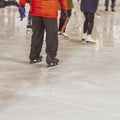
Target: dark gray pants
point(112, 3)
point(88, 23)
point(39, 26)
point(4, 3)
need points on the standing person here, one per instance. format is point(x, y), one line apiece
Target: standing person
point(88, 7)
point(63, 21)
point(112, 5)
point(44, 18)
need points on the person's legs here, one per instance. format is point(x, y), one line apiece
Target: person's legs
point(113, 5)
point(90, 19)
point(106, 5)
point(61, 20)
point(85, 27)
point(51, 40)
point(51, 36)
point(37, 38)
point(64, 21)
point(2, 4)
point(11, 2)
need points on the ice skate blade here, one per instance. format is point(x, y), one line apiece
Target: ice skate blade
point(83, 40)
point(28, 30)
point(66, 37)
point(36, 60)
point(52, 64)
point(90, 42)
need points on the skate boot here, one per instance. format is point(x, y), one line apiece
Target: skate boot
point(59, 32)
point(36, 60)
point(51, 61)
point(64, 34)
point(90, 40)
point(84, 36)
point(112, 9)
point(29, 26)
point(106, 9)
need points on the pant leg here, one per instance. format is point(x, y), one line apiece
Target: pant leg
point(51, 36)
point(85, 25)
point(11, 2)
point(69, 13)
point(90, 18)
point(106, 3)
point(37, 37)
point(64, 20)
point(2, 4)
point(113, 4)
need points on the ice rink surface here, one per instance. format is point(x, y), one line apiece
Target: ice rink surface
point(84, 86)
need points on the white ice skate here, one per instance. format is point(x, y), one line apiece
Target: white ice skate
point(64, 34)
point(90, 40)
point(59, 32)
point(84, 36)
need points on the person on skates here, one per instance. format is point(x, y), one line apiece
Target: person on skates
point(44, 18)
point(88, 7)
point(63, 20)
point(112, 5)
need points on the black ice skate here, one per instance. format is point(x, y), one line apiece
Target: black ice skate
point(51, 61)
point(36, 60)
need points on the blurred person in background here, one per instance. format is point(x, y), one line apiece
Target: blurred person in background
point(112, 5)
point(4, 3)
point(63, 20)
point(88, 7)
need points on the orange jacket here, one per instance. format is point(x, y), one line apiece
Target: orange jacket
point(45, 8)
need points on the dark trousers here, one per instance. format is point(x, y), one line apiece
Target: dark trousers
point(88, 23)
point(112, 3)
point(63, 21)
point(39, 26)
point(63, 16)
point(8, 3)
point(2, 4)
point(11, 2)
point(29, 18)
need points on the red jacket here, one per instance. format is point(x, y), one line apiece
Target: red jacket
point(45, 8)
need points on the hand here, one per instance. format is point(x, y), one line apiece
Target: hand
point(22, 12)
